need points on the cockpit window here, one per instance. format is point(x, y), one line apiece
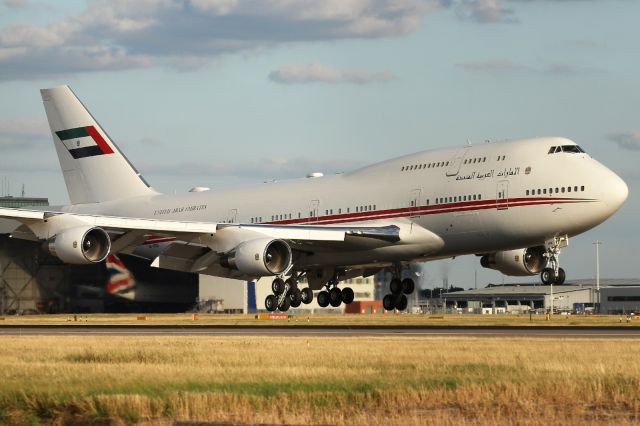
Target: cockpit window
point(573, 149)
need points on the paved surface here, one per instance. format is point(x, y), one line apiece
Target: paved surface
point(337, 331)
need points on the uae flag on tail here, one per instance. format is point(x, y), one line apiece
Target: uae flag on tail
point(84, 142)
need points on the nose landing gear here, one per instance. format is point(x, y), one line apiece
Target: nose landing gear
point(553, 273)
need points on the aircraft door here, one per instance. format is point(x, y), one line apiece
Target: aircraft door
point(502, 195)
point(414, 201)
point(456, 162)
point(314, 210)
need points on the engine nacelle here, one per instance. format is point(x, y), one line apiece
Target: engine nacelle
point(520, 262)
point(81, 245)
point(260, 257)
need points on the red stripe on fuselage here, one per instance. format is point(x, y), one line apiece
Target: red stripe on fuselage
point(429, 210)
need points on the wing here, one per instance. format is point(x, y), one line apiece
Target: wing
point(223, 249)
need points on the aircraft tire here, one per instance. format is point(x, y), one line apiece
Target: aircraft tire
point(401, 302)
point(562, 276)
point(547, 276)
point(408, 286)
point(285, 305)
point(277, 286)
point(307, 295)
point(295, 297)
point(271, 303)
point(335, 297)
point(347, 295)
point(292, 283)
point(323, 299)
point(389, 302)
point(395, 286)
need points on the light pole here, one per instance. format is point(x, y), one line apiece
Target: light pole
point(597, 243)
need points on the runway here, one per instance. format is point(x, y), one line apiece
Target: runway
point(628, 332)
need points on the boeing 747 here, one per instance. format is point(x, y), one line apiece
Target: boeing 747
point(514, 204)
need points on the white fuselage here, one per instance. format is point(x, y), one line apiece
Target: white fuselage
point(477, 199)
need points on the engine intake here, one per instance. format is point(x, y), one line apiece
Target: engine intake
point(260, 257)
point(520, 262)
point(80, 246)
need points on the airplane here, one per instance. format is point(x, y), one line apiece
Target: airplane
point(515, 204)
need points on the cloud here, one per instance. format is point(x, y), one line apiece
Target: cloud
point(119, 34)
point(15, 4)
point(23, 133)
point(484, 11)
point(505, 65)
point(627, 140)
point(312, 73)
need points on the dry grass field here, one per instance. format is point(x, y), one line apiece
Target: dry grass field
point(389, 319)
point(318, 380)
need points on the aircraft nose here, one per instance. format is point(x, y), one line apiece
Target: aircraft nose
point(617, 191)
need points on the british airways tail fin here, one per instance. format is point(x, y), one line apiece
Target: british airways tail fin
point(121, 282)
point(94, 169)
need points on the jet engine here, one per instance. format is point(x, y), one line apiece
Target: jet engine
point(260, 257)
point(520, 262)
point(81, 245)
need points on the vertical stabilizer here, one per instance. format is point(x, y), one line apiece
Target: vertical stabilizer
point(94, 169)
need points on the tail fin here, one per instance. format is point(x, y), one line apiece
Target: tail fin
point(121, 282)
point(94, 168)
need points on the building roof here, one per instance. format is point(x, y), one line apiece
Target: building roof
point(513, 292)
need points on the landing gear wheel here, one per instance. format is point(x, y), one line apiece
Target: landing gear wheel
point(389, 302)
point(335, 297)
point(295, 297)
point(323, 299)
point(307, 295)
point(401, 302)
point(561, 277)
point(292, 283)
point(347, 295)
point(547, 276)
point(285, 305)
point(408, 286)
point(395, 286)
point(277, 286)
point(271, 303)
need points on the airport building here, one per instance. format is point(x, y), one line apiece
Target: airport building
point(614, 296)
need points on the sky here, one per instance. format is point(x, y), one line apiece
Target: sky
point(225, 92)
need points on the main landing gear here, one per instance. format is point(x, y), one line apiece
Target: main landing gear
point(286, 294)
point(334, 296)
point(399, 291)
point(553, 273)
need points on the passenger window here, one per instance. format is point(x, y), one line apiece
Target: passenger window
point(527, 192)
point(562, 189)
point(544, 190)
point(569, 189)
point(575, 189)
point(556, 190)
point(582, 188)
